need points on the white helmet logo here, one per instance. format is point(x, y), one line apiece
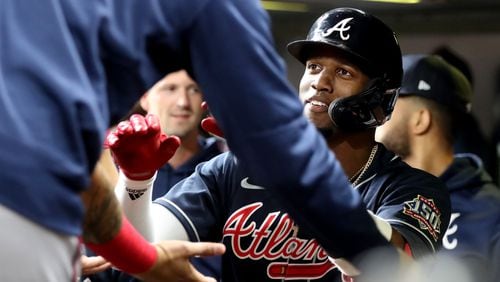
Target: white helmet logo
point(341, 27)
point(423, 85)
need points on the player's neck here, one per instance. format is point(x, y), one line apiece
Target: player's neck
point(352, 150)
point(433, 156)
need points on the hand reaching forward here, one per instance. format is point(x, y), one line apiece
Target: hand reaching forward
point(139, 147)
point(173, 261)
point(93, 265)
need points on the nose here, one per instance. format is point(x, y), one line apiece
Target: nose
point(323, 82)
point(183, 99)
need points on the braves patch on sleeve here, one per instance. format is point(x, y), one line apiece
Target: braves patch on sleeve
point(426, 213)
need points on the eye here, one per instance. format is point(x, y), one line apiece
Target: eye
point(344, 73)
point(193, 90)
point(169, 89)
point(313, 68)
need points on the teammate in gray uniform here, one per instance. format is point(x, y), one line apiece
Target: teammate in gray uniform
point(348, 89)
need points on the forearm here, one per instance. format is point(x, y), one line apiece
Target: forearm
point(108, 233)
point(154, 222)
point(135, 198)
point(103, 213)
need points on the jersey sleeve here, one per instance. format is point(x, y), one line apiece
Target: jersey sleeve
point(417, 205)
point(198, 201)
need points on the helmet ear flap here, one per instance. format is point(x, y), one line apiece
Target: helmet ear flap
point(368, 109)
point(389, 101)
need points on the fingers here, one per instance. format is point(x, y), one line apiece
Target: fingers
point(111, 140)
point(169, 146)
point(137, 125)
point(92, 265)
point(173, 263)
point(204, 105)
point(209, 124)
point(206, 249)
point(190, 249)
point(153, 123)
point(197, 276)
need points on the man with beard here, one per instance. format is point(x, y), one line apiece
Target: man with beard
point(425, 121)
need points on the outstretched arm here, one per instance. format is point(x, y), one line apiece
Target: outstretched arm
point(108, 233)
point(140, 149)
point(153, 221)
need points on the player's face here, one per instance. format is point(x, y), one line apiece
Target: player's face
point(328, 76)
point(395, 134)
point(176, 99)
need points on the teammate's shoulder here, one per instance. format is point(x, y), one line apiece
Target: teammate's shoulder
point(221, 158)
point(224, 162)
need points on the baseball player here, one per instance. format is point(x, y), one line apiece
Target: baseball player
point(353, 72)
point(433, 96)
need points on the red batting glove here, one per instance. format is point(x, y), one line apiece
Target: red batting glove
point(139, 147)
point(209, 124)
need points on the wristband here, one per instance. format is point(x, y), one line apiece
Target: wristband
point(135, 197)
point(128, 250)
point(134, 183)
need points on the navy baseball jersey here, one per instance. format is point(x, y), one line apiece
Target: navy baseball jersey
point(167, 176)
point(220, 202)
point(474, 231)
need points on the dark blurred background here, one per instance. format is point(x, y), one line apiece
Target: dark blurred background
point(471, 28)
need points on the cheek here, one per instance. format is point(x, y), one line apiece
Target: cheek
point(197, 115)
point(159, 107)
point(304, 87)
point(392, 126)
point(195, 102)
point(348, 88)
point(165, 103)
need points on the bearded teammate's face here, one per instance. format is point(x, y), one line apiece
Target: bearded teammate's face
point(394, 134)
point(176, 99)
point(328, 76)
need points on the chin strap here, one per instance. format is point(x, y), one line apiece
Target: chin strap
point(368, 109)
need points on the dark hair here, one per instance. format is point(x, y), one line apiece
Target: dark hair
point(446, 118)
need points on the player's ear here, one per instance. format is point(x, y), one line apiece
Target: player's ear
point(421, 121)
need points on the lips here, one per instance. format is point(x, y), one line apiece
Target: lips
point(316, 106)
point(180, 115)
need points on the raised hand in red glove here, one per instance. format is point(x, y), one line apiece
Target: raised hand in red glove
point(209, 124)
point(139, 147)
